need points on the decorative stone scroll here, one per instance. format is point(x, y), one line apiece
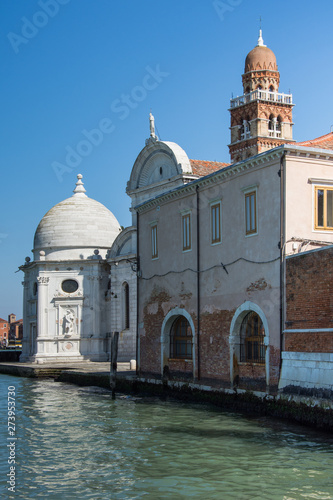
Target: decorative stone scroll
point(67, 295)
point(43, 280)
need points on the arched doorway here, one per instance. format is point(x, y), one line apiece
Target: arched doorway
point(178, 341)
point(181, 339)
point(252, 336)
point(249, 346)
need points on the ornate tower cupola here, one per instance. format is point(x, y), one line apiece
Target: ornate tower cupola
point(261, 118)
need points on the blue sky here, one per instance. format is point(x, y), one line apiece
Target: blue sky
point(73, 66)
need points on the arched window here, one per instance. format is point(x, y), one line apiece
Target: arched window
point(245, 128)
point(126, 306)
point(271, 88)
point(252, 334)
point(259, 94)
point(278, 125)
point(241, 130)
point(181, 339)
point(271, 123)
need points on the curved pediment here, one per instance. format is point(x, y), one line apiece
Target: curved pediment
point(157, 162)
point(124, 244)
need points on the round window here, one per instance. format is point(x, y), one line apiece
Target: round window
point(69, 286)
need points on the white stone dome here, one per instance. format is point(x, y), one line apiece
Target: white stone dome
point(77, 223)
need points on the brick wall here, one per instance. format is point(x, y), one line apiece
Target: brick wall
point(150, 335)
point(214, 349)
point(214, 346)
point(309, 301)
point(309, 342)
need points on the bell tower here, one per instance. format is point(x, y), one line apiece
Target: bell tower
point(261, 118)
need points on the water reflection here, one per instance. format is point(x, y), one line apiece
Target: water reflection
point(79, 443)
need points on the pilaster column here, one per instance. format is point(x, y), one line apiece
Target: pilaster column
point(42, 306)
point(26, 326)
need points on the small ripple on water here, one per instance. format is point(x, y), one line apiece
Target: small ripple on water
point(79, 443)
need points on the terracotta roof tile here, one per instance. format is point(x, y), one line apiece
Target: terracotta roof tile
point(202, 168)
point(323, 142)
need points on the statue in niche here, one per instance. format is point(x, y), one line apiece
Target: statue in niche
point(69, 322)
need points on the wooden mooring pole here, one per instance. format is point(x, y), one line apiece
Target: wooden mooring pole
point(113, 367)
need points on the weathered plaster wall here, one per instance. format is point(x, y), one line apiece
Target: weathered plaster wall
point(303, 172)
point(251, 274)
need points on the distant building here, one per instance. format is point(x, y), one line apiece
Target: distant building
point(15, 328)
point(4, 329)
point(10, 330)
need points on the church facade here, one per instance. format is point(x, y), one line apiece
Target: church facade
point(201, 286)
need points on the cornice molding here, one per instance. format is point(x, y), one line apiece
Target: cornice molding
point(307, 152)
point(224, 174)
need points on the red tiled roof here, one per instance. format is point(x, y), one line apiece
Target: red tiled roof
point(202, 168)
point(323, 142)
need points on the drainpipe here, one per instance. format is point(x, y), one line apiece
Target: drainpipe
point(198, 282)
point(137, 294)
point(282, 250)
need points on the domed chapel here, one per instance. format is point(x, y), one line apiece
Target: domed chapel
point(66, 284)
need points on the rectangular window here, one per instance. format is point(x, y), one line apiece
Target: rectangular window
point(215, 215)
point(324, 208)
point(251, 212)
point(154, 247)
point(186, 225)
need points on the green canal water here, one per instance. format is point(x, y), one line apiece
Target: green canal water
point(78, 443)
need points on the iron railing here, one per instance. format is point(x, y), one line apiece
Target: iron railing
point(252, 351)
